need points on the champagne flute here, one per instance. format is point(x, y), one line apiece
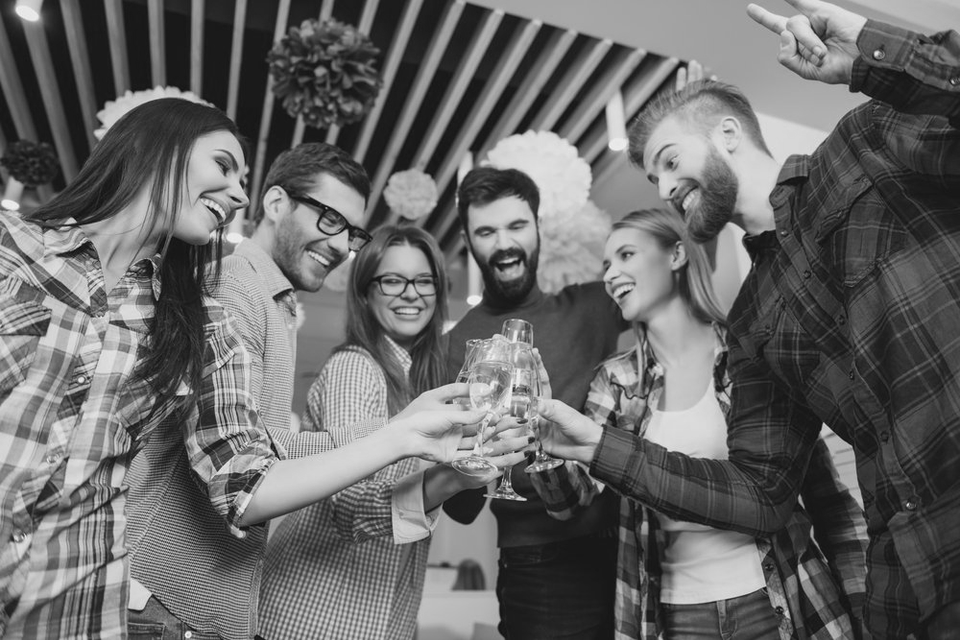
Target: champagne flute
point(472, 348)
point(489, 383)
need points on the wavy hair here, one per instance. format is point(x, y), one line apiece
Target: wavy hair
point(150, 148)
point(696, 280)
point(363, 330)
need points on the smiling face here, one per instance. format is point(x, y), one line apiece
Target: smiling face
point(503, 238)
point(640, 274)
point(305, 254)
point(213, 191)
point(692, 177)
point(403, 316)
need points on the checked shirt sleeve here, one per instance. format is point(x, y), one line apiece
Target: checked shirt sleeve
point(770, 439)
point(351, 390)
point(228, 448)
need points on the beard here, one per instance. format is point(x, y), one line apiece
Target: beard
point(718, 196)
point(515, 290)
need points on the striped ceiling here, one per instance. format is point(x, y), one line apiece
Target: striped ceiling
point(457, 78)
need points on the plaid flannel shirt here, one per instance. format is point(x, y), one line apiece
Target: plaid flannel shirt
point(337, 569)
point(849, 317)
point(813, 585)
point(71, 416)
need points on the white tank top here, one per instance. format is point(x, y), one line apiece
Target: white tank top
point(700, 563)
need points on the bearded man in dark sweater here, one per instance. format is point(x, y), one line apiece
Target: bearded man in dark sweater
point(556, 578)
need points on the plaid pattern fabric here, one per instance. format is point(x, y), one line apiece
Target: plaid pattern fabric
point(332, 570)
point(182, 550)
point(70, 418)
point(849, 317)
point(812, 598)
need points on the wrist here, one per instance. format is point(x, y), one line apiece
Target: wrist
point(588, 449)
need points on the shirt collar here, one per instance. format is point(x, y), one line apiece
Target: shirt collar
point(400, 354)
point(270, 274)
point(795, 169)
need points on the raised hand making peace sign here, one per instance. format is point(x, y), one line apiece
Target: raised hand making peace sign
point(819, 43)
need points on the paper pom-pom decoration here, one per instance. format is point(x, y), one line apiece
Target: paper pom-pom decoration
point(113, 110)
point(554, 164)
point(31, 163)
point(571, 246)
point(411, 194)
point(325, 72)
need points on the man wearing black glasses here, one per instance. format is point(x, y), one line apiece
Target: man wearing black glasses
point(190, 575)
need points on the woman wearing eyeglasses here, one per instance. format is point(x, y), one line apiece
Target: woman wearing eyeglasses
point(323, 579)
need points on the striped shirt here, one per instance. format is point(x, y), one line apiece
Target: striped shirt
point(71, 415)
point(813, 585)
point(850, 317)
point(332, 570)
point(181, 548)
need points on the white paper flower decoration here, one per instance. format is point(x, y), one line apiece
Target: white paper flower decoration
point(113, 110)
point(411, 194)
point(562, 176)
point(571, 247)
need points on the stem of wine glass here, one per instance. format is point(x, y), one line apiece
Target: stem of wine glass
point(478, 445)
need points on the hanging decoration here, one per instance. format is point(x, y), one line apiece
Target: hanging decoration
point(411, 194)
point(573, 229)
point(113, 110)
point(554, 164)
point(31, 163)
point(325, 72)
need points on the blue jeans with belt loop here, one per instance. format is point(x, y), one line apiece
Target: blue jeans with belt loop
point(559, 590)
point(748, 617)
point(156, 622)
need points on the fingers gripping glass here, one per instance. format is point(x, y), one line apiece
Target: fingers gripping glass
point(332, 222)
point(392, 284)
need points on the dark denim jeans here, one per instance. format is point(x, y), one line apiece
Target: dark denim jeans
point(156, 622)
point(748, 617)
point(558, 590)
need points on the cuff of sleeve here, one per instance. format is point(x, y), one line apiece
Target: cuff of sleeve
point(613, 455)
point(242, 501)
point(410, 522)
point(882, 46)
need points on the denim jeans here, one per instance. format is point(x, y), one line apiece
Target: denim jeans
point(748, 617)
point(156, 622)
point(559, 590)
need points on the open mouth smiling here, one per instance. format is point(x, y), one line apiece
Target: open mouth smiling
point(620, 291)
point(216, 209)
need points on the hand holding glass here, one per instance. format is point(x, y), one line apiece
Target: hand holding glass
point(489, 384)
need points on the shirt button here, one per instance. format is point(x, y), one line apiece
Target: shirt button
point(784, 233)
point(910, 504)
point(19, 536)
point(850, 375)
point(884, 436)
point(768, 566)
point(81, 379)
point(842, 320)
point(955, 80)
point(779, 610)
point(188, 634)
point(51, 458)
point(879, 54)
point(806, 273)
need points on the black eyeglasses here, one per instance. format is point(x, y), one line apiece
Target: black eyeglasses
point(332, 222)
point(392, 284)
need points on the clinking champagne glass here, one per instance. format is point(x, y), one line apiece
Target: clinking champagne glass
point(525, 388)
point(489, 384)
point(472, 348)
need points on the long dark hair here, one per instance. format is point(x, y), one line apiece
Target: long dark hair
point(428, 354)
point(150, 146)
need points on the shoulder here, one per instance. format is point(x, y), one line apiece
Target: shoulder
point(351, 364)
point(18, 235)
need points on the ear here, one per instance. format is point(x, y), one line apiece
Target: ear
point(276, 204)
point(730, 133)
point(679, 258)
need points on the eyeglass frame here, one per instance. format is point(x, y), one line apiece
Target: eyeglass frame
point(355, 234)
point(407, 282)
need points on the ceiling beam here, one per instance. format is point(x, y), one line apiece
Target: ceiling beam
point(197, 12)
point(80, 61)
point(603, 89)
point(506, 66)
point(569, 85)
point(425, 75)
point(279, 29)
point(394, 56)
point(236, 57)
point(158, 58)
point(117, 36)
point(36, 39)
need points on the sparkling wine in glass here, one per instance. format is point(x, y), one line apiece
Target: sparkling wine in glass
point(489, 383)
point(524, 395)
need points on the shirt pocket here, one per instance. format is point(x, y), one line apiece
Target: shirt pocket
point(24, 320)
